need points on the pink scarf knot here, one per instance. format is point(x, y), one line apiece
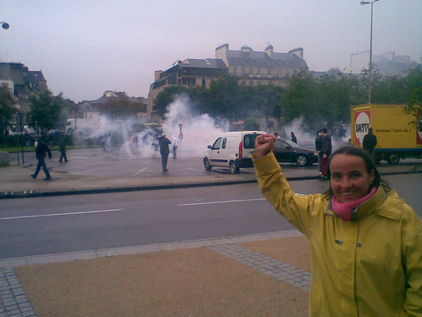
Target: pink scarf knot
point(345, 210)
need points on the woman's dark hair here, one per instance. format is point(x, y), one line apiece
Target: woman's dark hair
point(370, 166)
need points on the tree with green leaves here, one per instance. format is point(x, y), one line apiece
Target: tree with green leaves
point(46, 111)
point(224, 97)
point(251, 124)
point(301, 99)
point(7, 110)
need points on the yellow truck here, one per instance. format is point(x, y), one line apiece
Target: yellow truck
point(398, 133)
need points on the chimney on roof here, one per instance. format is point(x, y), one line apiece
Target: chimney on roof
point(157, 74)
point(269, 50)
point(297, 51)
point(221, 53)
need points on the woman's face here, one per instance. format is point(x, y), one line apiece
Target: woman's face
point(349, 178)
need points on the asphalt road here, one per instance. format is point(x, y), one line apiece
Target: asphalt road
point(48, 225)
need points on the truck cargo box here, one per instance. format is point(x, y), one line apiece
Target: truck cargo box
point(399, 134)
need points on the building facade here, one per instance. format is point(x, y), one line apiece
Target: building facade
point(22, 83)
point(386, 64)
point(261, 67)
point(253, 68)
point(188, 73)
point(91, 109)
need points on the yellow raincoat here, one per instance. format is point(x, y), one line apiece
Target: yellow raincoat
point(370, 266)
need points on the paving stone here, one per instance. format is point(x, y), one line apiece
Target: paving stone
point(10, 308)
point(265, 264)
point(28, 314)
point(24, 305)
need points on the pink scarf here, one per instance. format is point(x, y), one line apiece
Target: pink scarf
point(345, 210)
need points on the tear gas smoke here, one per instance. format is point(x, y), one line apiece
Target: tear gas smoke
point(198, 131)
point(307, 139)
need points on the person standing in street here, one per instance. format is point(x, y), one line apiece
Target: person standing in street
point(164, 151)
point(294, 139)
point(366, 242)
point(41, 150)
point(369, 143)
point(62, 149)
point(175, 144)
point(318, 149)
point(326, 148)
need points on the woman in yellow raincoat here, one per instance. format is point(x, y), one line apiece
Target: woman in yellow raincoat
point(366, 242)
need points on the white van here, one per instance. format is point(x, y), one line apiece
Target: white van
point(232, 150)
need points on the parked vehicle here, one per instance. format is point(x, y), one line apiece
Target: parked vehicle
point(289, 152)
point(232, 150)
point(399, 134)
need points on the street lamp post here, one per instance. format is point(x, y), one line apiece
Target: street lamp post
point(370, 49)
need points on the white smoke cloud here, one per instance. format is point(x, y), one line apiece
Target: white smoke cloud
point(198, 131)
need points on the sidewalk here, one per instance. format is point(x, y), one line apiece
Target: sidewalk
point(256, 275)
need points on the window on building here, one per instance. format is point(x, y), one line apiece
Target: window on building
point(243, 83)
point(204, 84)
point(251, 83)
point(189, 81)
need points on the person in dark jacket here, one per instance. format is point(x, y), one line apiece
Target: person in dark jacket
point(62, 149)
point(164, 150)
point(369, 143)
point(318, 148)
point(294, 139)
point(326, 148)
point(41, 150)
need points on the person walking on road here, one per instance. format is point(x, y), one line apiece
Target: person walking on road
point(369, 143)
point(164, 151)
point(41, 150)
point(366, 242)
point(62, 149)
point(326, 148)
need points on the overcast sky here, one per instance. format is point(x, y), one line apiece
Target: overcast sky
point(85, 47)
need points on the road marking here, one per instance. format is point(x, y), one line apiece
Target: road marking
point(63, 214)
point(220, 202)
point(194, 169)
point(140, 171)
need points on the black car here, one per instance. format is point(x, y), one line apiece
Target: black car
point(288, 151)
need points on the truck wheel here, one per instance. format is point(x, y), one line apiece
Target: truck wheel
point(393, 159)
point(207, 165)
point(234, 169)
point(301, 160)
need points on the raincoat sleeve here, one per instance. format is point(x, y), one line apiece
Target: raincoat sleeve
point(297, 208)
point(412, 255)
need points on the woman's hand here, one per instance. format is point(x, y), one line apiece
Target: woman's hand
point(264, 144)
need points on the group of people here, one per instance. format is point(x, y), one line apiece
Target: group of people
point(366, 242)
